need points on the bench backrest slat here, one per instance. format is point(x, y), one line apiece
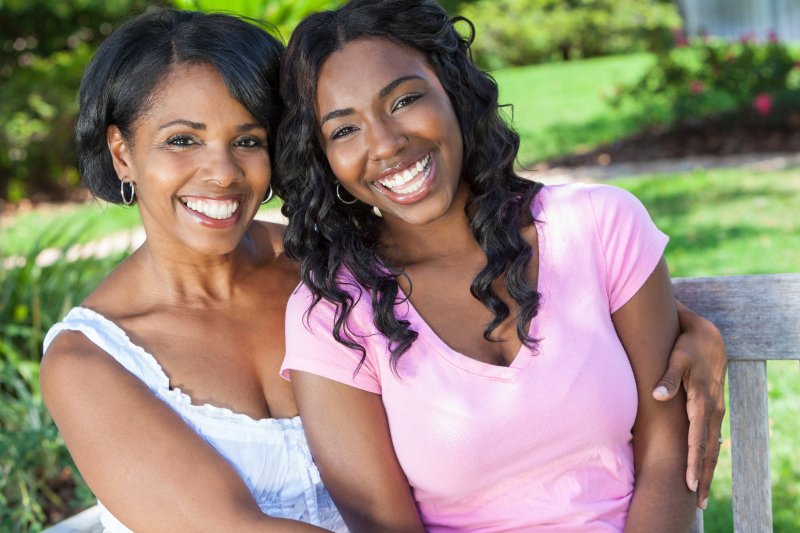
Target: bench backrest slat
point(759, 317)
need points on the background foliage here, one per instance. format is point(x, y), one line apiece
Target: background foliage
point(44, 48)
point(745, 81)
point(524, 32)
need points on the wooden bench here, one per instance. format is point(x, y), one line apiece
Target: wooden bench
point(759, 317)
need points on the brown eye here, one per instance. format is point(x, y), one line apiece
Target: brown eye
point(342, 132)
point(406, 100)
point(181, 141)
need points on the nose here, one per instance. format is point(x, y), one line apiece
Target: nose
point(222, 167)
point(386, 138)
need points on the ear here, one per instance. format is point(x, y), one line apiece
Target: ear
point(120, 153)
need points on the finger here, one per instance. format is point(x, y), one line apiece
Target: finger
point(670, 382)
point(707, 474)
point(698, 442)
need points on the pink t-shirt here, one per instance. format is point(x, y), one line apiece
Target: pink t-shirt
point(545, 443)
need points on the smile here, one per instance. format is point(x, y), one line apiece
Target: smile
point(409, 180)
point(216, 209)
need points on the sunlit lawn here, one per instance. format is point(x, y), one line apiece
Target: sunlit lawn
point(559, 108)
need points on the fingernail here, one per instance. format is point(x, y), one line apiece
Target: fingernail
point(694, 487)
point(660, 391)
point(704, 504)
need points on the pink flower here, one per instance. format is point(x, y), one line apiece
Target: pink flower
point(747, 38)
point(772, 36)
point(697, 87)
point(762, 103)
point(680, 38)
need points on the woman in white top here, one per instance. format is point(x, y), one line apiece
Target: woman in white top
point(178, 112)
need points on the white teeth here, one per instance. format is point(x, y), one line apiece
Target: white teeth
point(217, 209)
point(397, 181)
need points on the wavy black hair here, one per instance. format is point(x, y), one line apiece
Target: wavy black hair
point(123, 75)
point(325, 235)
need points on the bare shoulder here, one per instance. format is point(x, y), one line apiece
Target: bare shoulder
point(71, 359)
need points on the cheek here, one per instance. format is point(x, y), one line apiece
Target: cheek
point(344, 162)
point(258, 168)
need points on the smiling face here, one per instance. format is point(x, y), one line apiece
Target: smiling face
point(199, 160)
point(389, 131)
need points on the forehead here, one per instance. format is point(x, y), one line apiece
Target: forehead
point(363, 67)
point(186, 83)
point(196, 91)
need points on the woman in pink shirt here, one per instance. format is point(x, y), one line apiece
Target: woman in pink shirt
point(470, 351)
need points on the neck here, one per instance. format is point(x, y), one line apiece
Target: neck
point(177, 276)
point(447, 239)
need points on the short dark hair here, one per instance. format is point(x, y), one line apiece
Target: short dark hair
point(119, 83)
point(324, 235)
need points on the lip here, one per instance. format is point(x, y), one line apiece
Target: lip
point(207, 221)
point(398, 167)
point(412, 197)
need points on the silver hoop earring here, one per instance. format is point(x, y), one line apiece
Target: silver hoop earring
point(269, 195)
point(127, 200)
point(339, 196)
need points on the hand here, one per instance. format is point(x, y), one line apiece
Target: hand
point(698, 360)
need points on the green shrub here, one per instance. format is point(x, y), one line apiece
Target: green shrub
point(38, 481)
point(748, 81)
point(524, 32)
point(44, 48)
point(283, 14)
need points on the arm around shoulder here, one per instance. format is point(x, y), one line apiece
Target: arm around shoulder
point(150, 469)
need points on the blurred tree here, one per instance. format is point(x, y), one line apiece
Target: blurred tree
point(283, 14)
point(44, 47)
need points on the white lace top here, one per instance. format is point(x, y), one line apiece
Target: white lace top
point(271, 455)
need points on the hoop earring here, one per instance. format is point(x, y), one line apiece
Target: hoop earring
point(269, 195)
point(339, 196)
point(127, 200)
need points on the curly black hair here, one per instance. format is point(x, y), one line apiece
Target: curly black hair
point(324, 236)
point(124, 73)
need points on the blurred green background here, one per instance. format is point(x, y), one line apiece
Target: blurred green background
point(582, 77)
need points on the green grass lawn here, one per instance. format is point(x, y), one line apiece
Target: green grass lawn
point(560, 108)
point(725, 222)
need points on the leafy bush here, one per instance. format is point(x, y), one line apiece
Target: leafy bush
point(38, 481)
point(43, 51)
point(748, 81)
point(524, 32)
point(283, 14)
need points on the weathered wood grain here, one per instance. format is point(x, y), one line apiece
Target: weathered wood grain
point(759, 316)
point(752, 491)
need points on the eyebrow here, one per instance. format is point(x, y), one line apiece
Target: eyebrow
point(337, 113)
point(183, 122)
point(241, 128)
